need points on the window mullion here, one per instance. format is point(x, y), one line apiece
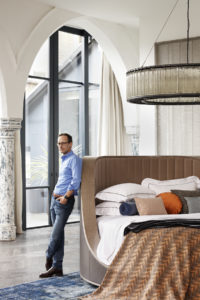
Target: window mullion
point(53, 112)
point(84, 102)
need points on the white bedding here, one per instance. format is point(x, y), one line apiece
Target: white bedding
point(111, 231)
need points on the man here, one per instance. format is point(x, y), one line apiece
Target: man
point(62, 204)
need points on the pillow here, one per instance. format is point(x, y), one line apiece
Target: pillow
point(193, 204)
point(123, 192)
point(171, 202)
point(150, 206)
point(182, 194)
point(128, 208)
point(108, 209)
point(161, 186)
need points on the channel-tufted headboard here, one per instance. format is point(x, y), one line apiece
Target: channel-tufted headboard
point(101, 172)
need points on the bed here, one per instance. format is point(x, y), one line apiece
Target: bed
point(102, 172)
point(112, 228)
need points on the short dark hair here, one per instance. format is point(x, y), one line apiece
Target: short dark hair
point(67, 135)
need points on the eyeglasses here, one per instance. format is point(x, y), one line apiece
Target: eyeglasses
point(62, 143)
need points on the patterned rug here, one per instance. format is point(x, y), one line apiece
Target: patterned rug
point(68, 287)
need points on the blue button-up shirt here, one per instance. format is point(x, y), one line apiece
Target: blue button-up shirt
point(69, 174)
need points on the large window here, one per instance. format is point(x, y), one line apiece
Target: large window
point(62, 95)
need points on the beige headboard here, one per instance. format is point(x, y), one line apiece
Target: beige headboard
point(101, 172)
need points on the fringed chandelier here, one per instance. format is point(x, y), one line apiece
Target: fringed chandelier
point(173, 84)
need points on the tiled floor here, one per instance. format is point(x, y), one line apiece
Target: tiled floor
point(23, 260)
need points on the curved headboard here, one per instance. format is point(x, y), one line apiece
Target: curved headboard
point(102, 172)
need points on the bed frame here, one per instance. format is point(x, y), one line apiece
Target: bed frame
point(101, 172)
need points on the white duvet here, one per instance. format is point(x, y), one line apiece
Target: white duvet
point(111, 231)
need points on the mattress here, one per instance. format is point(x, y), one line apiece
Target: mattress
point(111, 231)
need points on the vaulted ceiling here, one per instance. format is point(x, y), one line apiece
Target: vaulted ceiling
point(126, 12)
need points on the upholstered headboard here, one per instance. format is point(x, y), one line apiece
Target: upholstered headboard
point(101, 172)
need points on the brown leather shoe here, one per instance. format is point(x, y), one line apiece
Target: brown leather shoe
point(48, 264)
point(52, 272)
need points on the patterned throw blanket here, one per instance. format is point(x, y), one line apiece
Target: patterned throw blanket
point(155, 264)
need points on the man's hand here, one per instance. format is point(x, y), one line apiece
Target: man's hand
point(62, 200)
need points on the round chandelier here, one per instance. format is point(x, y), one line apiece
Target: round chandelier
point(172, 84)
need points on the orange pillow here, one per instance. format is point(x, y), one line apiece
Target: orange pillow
point(172, 202)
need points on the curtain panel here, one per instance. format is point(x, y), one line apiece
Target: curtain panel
point(111, 134)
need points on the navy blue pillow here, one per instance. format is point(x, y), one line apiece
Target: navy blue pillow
point(128, 208)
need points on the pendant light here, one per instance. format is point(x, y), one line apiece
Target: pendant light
point(172, 84)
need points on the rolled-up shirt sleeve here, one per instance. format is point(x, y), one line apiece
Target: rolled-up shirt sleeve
point(76, 168)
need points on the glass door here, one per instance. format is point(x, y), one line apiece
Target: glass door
point(70, 64)
point(58, 99)
point(36, 153)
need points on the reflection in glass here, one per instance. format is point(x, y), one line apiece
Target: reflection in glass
point(95, 62)
point(37, 111)
point(95, 65)
point(40, 66)
point(37, 207)
point(69, 56)
point(69, 99)
point(94, 100)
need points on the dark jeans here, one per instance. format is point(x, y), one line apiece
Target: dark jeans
point(59, 215)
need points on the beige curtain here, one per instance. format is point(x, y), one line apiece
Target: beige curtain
point(178, 126)
point(111, 129)
point(178, 130)
point(18, 183)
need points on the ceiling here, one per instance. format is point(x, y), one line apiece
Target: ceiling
point(125, 12)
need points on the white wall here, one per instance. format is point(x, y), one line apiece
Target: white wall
point(16, 22)
point(24, 26)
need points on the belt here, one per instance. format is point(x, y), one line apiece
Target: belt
point(56, 196)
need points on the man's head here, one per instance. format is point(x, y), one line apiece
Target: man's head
point(64, 143)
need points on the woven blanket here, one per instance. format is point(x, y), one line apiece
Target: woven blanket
point(155, 264)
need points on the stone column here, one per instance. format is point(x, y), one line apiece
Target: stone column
point(7, 178)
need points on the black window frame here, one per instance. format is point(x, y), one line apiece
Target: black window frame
point(54, 115)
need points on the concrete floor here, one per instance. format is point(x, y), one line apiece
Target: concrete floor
point(23, 260)
point(41, 219)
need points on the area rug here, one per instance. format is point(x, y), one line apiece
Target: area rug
point(68, 287)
